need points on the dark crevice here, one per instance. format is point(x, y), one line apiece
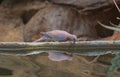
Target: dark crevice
point(4, 72)
point(16, 1)
point(111, 18)
point(103, 32)
point(118, 69)
point(28, 15)
point(1, 1)
point(104, 63)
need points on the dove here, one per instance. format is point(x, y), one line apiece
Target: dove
point(57, 35)
point(60, 36)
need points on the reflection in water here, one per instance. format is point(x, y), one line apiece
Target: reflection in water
point(21, 54)
point(53, 55)
point(56, 56)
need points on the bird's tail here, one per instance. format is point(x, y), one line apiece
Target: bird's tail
point(43, 33)
point(40, 39)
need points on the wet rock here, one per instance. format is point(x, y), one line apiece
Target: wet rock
point(11, 26)
point(24, 9)
point(87, 4)
point(13, 66)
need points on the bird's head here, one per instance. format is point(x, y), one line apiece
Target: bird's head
point(73, 38)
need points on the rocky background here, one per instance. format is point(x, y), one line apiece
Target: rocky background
point(23, 20)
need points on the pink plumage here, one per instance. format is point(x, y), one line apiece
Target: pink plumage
point(58, 35)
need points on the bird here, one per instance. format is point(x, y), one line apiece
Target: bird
point(60, 36)
point(57, 35)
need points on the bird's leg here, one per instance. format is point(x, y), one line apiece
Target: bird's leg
point(74, 41)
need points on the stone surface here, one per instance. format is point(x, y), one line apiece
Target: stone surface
point(17, 66)
point(11, 26)
point(87, 4)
